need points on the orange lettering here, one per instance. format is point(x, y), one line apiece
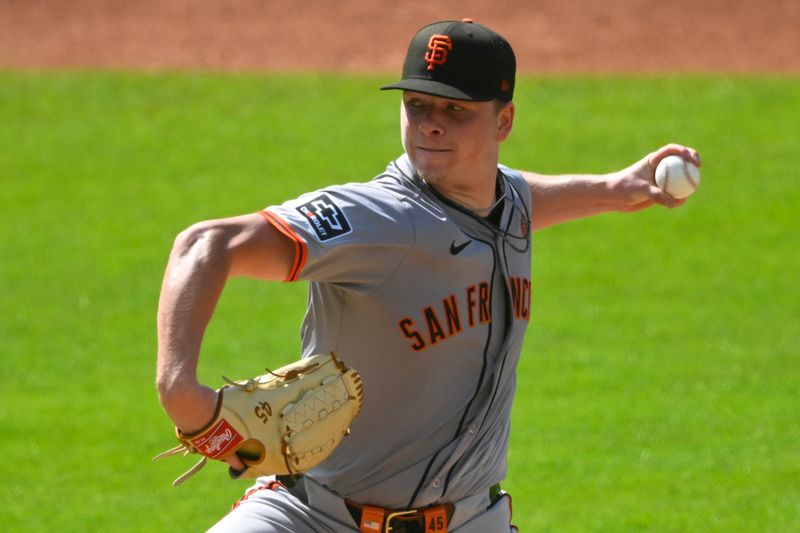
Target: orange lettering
point(484, 295)
point(405, 326)
point(514, 288)
point(438, 48)
point(520, 289)
point(471, 305)
point(451, 312)
point(435, 331)
point(526, 298)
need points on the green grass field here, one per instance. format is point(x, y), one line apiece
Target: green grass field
point(659, 386)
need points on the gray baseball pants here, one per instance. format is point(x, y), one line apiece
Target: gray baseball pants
point(311, 508)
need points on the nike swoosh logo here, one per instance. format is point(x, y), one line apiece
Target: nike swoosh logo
point(455, 250)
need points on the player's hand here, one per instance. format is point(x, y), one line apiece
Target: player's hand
point(635, 187)
point(191, 407)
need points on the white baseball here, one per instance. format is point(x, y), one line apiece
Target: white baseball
point(677, 177)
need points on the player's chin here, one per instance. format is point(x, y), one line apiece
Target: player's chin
point(431, 165)
point(432, 176)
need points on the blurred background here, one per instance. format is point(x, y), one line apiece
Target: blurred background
point(360, 35)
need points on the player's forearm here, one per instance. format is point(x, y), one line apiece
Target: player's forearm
point(193, 281)
point(557, 199)
point(202, 259)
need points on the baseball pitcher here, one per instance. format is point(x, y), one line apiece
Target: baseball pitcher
point(420, 293)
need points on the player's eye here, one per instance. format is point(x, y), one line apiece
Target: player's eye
point(455, 107)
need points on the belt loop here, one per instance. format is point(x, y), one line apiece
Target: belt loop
point(436, 519)
point(371, 519)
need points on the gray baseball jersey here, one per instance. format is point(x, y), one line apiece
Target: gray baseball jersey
point(430, 304)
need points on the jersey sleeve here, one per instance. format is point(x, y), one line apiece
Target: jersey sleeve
point(353, 235)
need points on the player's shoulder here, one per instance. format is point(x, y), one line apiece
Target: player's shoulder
point(390, 190)
point(397, 179)
point(376, 195)
point(514, 176)
point(516, 180)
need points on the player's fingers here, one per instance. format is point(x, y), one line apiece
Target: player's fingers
point(674, 202)
point(637, 206)
point(235, 463)
point(695, 157)
point(685, 152)
point(690, 154)
point(662, 198)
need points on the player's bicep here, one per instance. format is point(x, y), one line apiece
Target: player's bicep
point(257, 249)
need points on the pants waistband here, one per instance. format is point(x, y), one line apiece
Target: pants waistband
point(333, 505)
point(434, 518)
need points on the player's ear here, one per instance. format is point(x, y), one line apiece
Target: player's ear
point(505, 119)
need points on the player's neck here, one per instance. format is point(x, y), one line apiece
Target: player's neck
point(478, 194)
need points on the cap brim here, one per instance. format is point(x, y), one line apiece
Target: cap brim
point(437, 88)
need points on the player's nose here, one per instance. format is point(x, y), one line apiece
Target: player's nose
point(429, 124)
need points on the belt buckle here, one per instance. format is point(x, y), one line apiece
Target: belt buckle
point(394, 515)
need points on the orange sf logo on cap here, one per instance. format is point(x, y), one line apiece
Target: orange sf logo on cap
point(438, 47)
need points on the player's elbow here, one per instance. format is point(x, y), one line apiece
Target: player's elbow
point(165, 386)
point(172, 386)
point(199, 234)
point(203, 243)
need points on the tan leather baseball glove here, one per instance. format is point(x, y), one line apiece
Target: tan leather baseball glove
point(282, 422)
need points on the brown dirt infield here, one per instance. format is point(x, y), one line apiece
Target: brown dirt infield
point(549, 36)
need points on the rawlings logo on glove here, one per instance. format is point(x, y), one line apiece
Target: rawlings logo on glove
point(283, 422)
point(218, 441)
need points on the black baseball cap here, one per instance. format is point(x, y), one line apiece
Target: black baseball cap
point(462, 60)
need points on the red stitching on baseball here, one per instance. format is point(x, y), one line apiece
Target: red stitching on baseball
point(688, 175)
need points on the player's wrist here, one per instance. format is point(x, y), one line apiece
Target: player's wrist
point(622, 189)
point(189, 404)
